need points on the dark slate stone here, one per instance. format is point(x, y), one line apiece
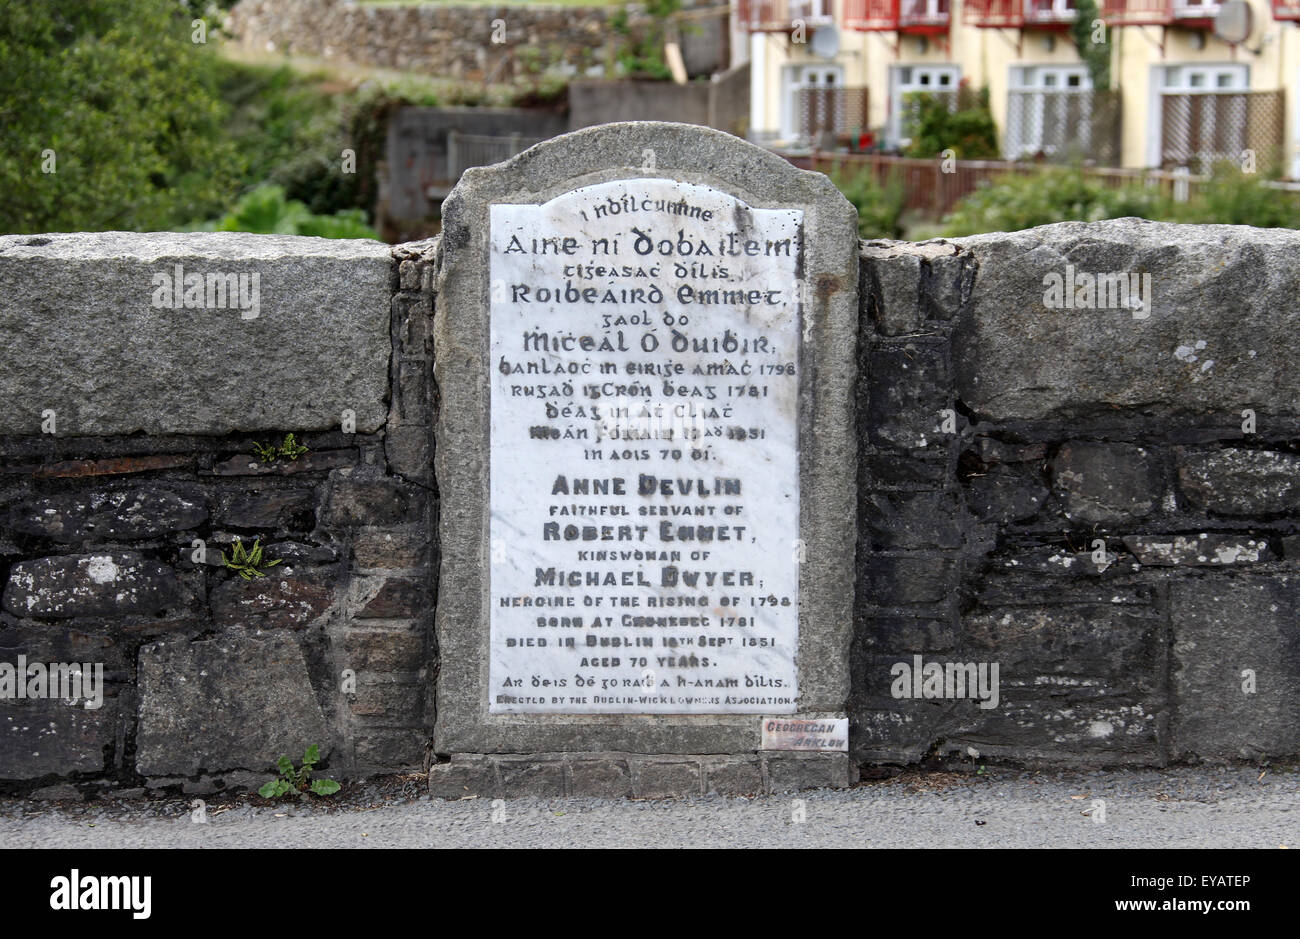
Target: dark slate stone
point(1003, 495)
point(1076, 684)
point(43, 642)
point(286, 598)
point(100, 584)
point(356, 502)
point(391, 550)
point(142, 512)
point(44, 736)
point(897, 581)
point(1222, 626)
point(914, 519)
point(290, 509)
point(1106, 482)
point(397, 598)
point(314, 462)
point(891, 633)
point(1241, 482)
point(1202, 549)
point(383, 651)
point(909, 388)
point(222, 704)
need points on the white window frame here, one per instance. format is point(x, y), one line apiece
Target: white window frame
point(925, 11)
point(812, 12)
point(796, 77)
point(1177, 79)
point(1062, 10)
point(1195, 9)
point(898, 88)
point(1034, 80)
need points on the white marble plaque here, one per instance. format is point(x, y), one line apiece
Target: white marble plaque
point(644, 553)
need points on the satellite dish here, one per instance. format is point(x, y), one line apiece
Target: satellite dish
point(826, 42)
point(1234, 21)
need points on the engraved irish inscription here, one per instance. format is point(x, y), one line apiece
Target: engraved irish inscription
point(644, 515)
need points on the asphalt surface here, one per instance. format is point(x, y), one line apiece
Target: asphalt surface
point(1206, 807)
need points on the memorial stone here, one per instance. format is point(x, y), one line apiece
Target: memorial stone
point(645, 446)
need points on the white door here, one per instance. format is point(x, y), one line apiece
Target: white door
point(905, 79)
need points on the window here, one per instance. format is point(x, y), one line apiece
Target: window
point(797, 77)
point(906, 79)
point(923, 11)
point(1048, 110)
point(1199, 78)
point(1203, 114)
point(1196, 8)
point(1049, 10)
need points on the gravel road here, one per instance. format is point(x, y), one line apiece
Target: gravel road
point(1185, 807)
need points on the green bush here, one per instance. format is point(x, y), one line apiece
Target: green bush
point(643, 57)
point(1232, 197)
point(266, 211)
point(934, 127)
point(1042, 197)
point(1063, 194)
point(880, 208)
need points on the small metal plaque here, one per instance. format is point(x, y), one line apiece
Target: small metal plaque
point(782, 733)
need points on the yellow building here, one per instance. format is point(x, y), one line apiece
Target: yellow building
point(1179, 95)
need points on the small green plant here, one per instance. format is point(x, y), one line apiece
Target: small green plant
point(291, 449)
point(247, 561)
point(268, 452)
point(298, 781)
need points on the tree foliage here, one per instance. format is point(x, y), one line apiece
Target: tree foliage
point(117, 100)
point(1092, 41)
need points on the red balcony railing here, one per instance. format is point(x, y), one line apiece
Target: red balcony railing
point(1138, 12)
point(1055, 13)
point(994, 12)
point(780, 16)
point(1286, 9)
point(871, 15)
point(1019, 13)
point(904, 16)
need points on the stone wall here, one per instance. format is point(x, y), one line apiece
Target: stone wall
point(113, 522)
point(1074, 494)
point(1093, 517)
point(451, 41)
point(722, 103)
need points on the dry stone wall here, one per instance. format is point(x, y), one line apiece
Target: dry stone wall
point(1101, 500)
